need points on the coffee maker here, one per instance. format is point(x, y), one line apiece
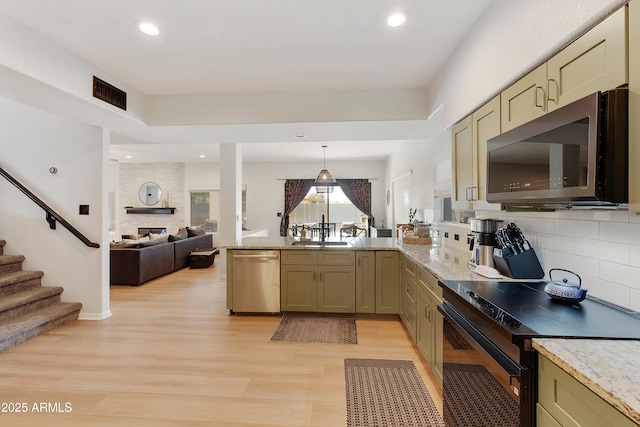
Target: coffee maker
point(483, 240)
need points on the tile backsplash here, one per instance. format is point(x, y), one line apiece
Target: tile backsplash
point(601, 246)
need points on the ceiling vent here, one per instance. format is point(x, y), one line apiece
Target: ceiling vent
point(108, 93)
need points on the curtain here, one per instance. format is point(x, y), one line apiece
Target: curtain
point(294, 192)
point(358, 191)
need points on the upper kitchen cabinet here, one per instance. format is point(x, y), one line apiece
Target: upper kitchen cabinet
point(597, 61)
point(524, 100)
point(469, 154)
point(462, 156)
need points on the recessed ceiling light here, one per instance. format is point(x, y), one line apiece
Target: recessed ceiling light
point(299, 135)
point(202, 156)
point(397, 19)
point(129, 157)
point(149, 28)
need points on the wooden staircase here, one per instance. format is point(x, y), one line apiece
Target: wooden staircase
point(28, 309)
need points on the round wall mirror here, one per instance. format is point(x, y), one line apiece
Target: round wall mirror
point(150, 193)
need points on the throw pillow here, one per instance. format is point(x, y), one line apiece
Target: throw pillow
point(175, 237)
point(182, 231)
point(153, 236)
point(140, 240)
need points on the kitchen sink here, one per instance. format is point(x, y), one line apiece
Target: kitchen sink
point(319, 244)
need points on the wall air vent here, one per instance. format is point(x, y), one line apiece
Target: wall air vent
point(108, 93)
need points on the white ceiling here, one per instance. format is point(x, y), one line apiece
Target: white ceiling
point(258, 46)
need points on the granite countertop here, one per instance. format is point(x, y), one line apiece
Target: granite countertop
point(444, 263)
point(609, 368)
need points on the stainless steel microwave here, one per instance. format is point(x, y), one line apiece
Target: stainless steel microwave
point(573, 156)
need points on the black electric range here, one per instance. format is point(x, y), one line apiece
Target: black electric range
point(498, 367)
point(523, 309)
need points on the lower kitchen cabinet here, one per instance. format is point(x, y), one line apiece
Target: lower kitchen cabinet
point(564, 401)
point(387, 282)
point(429, 324)
point(298, 288)
point(365, 281)
point(408, 288)
point(318, 281)
point(337, 289)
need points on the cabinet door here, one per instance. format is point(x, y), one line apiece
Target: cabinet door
point(424, 333)
point(337, 289)
point(365, 282)
point(486, 125)
point(571, 403)
point(387, 282)
point(438, 331)
point(524, 100)
point(299, 257)
point(298, 288)
point(597, 61)
point(463, 169)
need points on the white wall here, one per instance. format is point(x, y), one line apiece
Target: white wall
point(78, 151)
point(171, 179)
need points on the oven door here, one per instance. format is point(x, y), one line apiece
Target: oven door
point(482, 385)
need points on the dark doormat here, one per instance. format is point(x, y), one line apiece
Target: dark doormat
point(327, 330)
point(387, 393)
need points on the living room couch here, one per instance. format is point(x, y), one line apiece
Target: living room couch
point(137, 263)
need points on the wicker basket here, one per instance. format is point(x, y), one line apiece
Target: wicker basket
point(411, 240)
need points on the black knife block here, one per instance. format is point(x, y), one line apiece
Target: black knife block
point(524, 265)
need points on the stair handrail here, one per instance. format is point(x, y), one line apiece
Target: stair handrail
point(52, 216)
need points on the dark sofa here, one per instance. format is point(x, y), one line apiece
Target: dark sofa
point(139, 263)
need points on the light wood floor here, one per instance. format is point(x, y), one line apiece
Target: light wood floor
point(172, 356)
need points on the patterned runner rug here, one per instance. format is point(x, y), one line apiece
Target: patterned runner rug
point(472, 386)
point(387, 393)
point(327, 330)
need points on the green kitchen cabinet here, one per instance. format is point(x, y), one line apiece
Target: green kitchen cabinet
point(365, 281)
point(563, 401)
point(429, 322)
point(299, 288)
point(597, 61)
point(387, 282)
point(317, 281)
point(469, 157)
point(408, 294)
point(336, 289)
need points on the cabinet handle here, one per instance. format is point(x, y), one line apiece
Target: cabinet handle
point(468, 194)
point(426, 312)
point(314, 276)
point(474, 193)
point(535, 96)
point(549, 98)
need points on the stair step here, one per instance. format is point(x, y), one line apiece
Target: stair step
point(20, 303)
point(17, 281)
point(29, 326)
point(10, 263)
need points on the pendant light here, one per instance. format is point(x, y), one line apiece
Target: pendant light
point(325, 182)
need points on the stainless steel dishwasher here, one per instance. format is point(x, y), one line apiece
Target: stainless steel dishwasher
point(256, 281)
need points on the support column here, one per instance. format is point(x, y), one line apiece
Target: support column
point(230, 226)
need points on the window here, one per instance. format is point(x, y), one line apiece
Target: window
point(340, 210)
point(204, 209)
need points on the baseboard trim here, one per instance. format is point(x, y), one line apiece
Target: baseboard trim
point(95, 316)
